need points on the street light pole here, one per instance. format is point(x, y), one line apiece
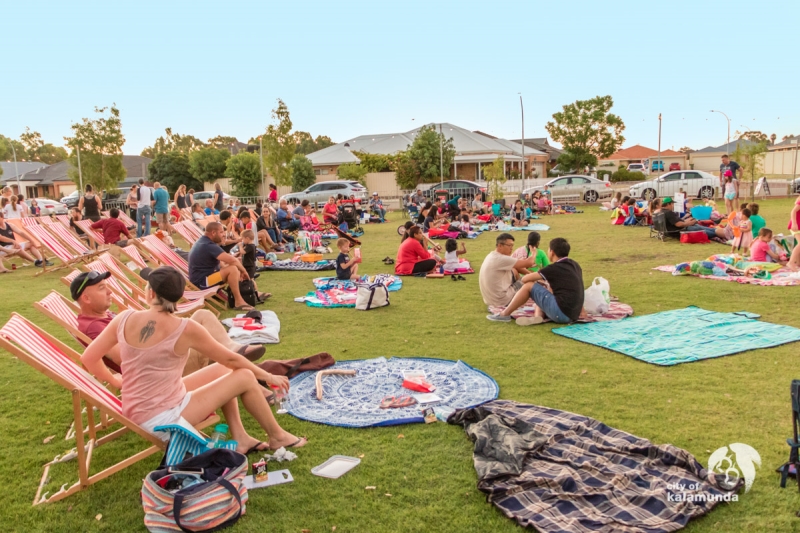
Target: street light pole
point(659, 162)
point(728, 143)
point(16, 170)
point(80, 174)
point(522, 111)
point(441, 157)
point(261, 164)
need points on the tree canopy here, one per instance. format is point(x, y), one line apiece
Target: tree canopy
point(305, 144)
point(173, 142)
point(279, 145)
point(495, 176)
point(420, 163)
point(352, 172)
point(100, 143)
point(209, 164)
point(587, 131)
point(172, 169)
point(302, 173)
point(222, 141)
point(31, 147)
point(377, 162)
point(750, 158)
point(244, 171)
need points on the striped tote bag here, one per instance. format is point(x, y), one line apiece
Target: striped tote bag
point(175, 501)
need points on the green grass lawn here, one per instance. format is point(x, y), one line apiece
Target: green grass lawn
point(425, 480)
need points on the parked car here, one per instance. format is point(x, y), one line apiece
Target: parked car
point(695, 183)
point(637, 167)
point(71, 200)
point(320, 192)
point(582, 187)
point(200, 197)
point(657, 166)
point(674, 166)
point(452, 188)
point(796, 186)
point(48, 207)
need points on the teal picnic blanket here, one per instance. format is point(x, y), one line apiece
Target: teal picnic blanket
point(682, 335)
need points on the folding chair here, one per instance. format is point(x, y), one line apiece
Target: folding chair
point(30, 221)
point(64, 219)
point(794, 442)
point(133, 254)
point(46, 220)
point(95, 236)
point(130, 293)
point(659, 228)
point(163, 254)
point(58, 361)
point(64, 312)
point(54, 246)
point(123, 217)
point(184, 232)
point(70, 239)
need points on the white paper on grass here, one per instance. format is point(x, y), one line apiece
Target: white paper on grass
point(680, 200)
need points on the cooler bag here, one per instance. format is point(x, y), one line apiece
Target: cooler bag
point(694, 237)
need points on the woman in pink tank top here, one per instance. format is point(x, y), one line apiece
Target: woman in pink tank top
point(154, 345)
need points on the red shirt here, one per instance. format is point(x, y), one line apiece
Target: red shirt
point(273, 195)
point(330, 211)
point(410, 253)
point(112, 228)
point(92, 327)
point(796, 216)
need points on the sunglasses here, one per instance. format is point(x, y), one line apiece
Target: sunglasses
point(92, 275)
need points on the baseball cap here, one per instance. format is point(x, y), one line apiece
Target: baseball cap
point(86, 279)
point(165, 281)
point(666, 200)
point(374, 194)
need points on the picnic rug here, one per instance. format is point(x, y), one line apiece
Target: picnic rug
point(562, 472)
point(332, 292)
point(300, 265)
point(782, 277)
point(507, 227)
point(354, 401)
point(682, 335)
point(616, 311)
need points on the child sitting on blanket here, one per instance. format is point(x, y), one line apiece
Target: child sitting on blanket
point(531, 249)
point(465, 225)
point(761, 250)
point(346, 268)
point(451, 261)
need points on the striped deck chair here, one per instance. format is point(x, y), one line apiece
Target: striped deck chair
point(30, 221)
point(46, 220)
point(69, 239)
point(121, 302)
point(64, 312)
point(64, 219)
point(163, 254)
point(54, 246)
point(57, 361)
point(133, 254)
point(95, 236)
point(130, 293)
point(123, 217)
point(194, 228)
point(184, 232)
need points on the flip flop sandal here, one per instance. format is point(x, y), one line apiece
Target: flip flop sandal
point(255, 448)
point(461, 278)
point(453, 277)
point(292, 445)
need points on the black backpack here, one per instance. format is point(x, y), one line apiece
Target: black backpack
point(248, 291)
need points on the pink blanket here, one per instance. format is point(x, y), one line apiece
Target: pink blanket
point(779, 278)
point(616, 311)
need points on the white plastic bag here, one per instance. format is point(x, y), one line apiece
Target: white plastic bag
point(597, 298)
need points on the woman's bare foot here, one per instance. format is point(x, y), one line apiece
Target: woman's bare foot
point(287, 440)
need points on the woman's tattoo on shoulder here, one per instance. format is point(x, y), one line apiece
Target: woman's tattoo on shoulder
point(147, 331)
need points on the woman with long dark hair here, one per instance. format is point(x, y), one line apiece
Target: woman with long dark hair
point(90, 204)
point(412, 257)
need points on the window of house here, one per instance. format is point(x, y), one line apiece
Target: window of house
point(324, 171)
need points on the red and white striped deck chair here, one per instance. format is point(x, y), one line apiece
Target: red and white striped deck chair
point(64, 219)
point(183, 230)
point(123, 217)
point(133, 296)
point(30, 221)
point(59, 362)
point(54, 246)
point(70, 239)
point(46, 220)
point(95, 236)
point(164, 254)
point(121, 302)
point(194, 228)
point(133, 254)
point(64, 312)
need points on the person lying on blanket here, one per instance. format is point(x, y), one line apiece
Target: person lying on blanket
point(562, 302)
point(154, 345)
point(206, 261)
point(676, 224)
point(92, 293)
point(498, 278)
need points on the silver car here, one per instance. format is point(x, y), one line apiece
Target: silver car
point(584, 188)
point(320, 192)
point(48, 207)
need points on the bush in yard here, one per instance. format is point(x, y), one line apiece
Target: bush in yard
point(623, 174)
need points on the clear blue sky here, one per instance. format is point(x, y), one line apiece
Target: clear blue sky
point(347, 68)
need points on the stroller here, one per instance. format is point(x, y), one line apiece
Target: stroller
point(348, 215)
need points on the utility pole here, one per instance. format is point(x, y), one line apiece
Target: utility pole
point(80, 174)
point(16, 170)
point(659, 162)
point(261, 163)
point(441, 157)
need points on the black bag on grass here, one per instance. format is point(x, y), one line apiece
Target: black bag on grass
point(248, 291)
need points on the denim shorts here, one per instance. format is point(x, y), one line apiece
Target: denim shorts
point(547, 302)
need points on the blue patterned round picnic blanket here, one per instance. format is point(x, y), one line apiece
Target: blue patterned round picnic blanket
point(354, 401)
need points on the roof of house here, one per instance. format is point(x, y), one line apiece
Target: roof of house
point(135, 165)
point(464, 141)
point(638, 151)
point(790, 142)
point(10, 168)
point(541, 144)
point(725, 148)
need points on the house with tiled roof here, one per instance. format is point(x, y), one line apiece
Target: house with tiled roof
point(642, 154)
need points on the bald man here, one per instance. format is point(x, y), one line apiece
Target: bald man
point(207, 259)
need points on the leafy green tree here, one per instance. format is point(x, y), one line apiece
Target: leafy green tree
point(222, 141)
point(279, 145)
point(302, 173)
point(244, 171)
point(377, 162)
point(495, 177)
point(100, 142)
point(751, 159)
point(6, 152)
point(31, 147)
point(172, 169)
point(587, 131)
point(352, 172)
point(306, 144)
point(754, 136)
point(208, 165)
point(420, 163)
point(173, 142)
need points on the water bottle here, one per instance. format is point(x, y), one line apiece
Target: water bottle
point(219, 435)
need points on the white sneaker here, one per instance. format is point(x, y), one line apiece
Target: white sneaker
point(529, 320)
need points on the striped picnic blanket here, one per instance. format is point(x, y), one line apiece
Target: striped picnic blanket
point(392, 282)
point(559, 471)
point(780, 278)
point(299, 265)
point(616, 311)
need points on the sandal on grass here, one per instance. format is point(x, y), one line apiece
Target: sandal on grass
point(255, 448)
point(295, 444)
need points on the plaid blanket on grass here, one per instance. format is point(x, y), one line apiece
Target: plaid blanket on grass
point(780, 278)
point(616, 311)
point(558, 471)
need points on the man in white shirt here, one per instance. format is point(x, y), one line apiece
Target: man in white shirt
point(143, 210)
point(499, 272)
